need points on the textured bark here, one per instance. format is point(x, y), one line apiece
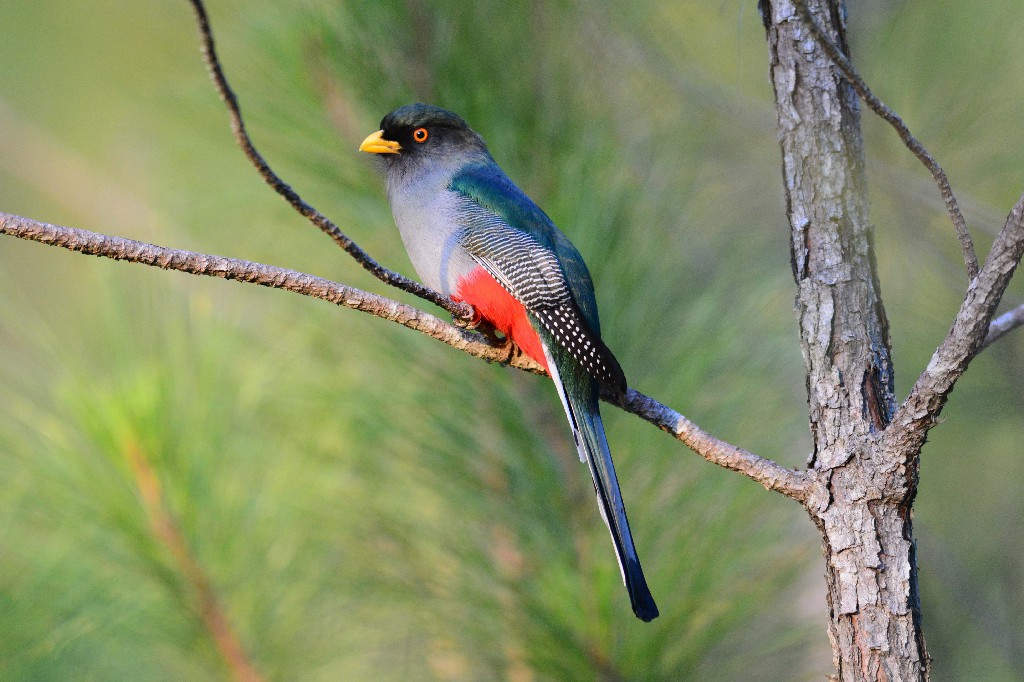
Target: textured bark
point(866, 456)
point(863, 509)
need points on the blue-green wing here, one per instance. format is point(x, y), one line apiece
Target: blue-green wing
point(516, 242)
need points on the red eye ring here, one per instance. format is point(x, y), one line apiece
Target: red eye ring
point(420, 135)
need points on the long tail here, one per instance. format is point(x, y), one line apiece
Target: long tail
point(579, 394)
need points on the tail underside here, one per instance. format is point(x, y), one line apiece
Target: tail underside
point(579, 394)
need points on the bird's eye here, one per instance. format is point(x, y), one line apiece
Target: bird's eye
point(420, 135)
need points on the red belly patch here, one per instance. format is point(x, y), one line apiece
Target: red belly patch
point(491, 302)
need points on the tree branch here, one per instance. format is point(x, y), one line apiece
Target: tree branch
point(119, 248)
point(892, 118)
point(971, 330)
point(794, 484)
point(798, 485)
point(769, 474)
point(1002, 325)
point(227, 95)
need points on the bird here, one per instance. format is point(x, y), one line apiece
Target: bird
point(474, 236)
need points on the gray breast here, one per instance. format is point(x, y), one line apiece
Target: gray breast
point(426, 213)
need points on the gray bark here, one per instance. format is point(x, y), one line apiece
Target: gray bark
point(866, 456)
point(863, 510)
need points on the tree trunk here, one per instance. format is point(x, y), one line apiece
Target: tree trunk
point(864, 508)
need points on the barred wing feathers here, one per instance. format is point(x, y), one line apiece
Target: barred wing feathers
point(518, 245)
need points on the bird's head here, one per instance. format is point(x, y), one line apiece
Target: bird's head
point(420, 135)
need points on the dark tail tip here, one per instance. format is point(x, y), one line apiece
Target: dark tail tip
point(647, 610)
point(639, 595)
point(644, 606)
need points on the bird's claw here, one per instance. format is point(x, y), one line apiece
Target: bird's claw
point(487, 330)
point(472, 322)
point(505, 345)
point(513, 352)
point(480, 325)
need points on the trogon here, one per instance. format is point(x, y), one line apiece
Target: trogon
point(476, 237)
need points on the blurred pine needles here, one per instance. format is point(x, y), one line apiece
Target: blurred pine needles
point(366, 504)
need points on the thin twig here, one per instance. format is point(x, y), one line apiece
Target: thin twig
point(1003, 324)
point(911, 142)
point(794, 484)
point(227, 95)
point(119, 248)
point(971, 328)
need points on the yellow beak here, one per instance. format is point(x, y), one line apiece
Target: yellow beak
point(376, 144)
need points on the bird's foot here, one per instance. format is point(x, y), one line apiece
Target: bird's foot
point(481, 326)
point(490, 334)
point(487, 330)
point(471, 322)
point(513, 351)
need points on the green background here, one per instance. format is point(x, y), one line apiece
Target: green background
point(370, 504)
